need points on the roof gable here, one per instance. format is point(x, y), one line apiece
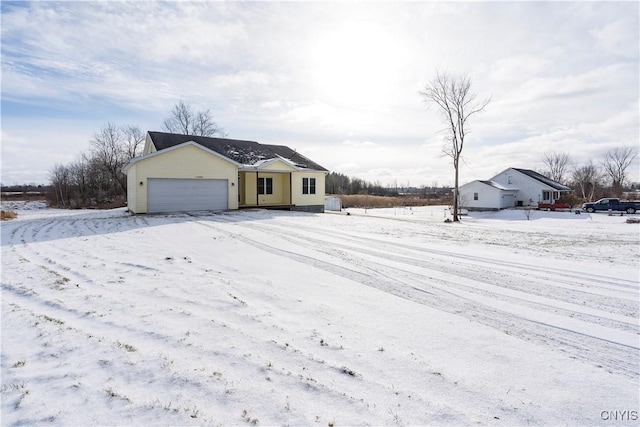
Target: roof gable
point(293, 157)
point(247, 153)
point(176, 147)
point(277, 164)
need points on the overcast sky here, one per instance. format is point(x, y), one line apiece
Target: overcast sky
point(337, 81)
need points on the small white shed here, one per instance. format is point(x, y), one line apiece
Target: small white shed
point(332, 203)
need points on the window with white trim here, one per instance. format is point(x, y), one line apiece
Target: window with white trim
point(308, 186)
point(265, 185)
point(475, 196)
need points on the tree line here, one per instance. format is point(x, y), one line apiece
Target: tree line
point(338, 183)
point(96, 177)
point(593, 180)
point(341, 184)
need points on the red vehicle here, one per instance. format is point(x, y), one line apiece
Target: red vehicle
point(553, 206)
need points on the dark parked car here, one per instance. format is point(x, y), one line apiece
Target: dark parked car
point(612, 205)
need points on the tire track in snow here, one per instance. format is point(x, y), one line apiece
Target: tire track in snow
point(510, 278)
point(538, 286)
point(515, 276)
point(605, 282)
point(374, 278)
point(86, 321)
point(547, 245)
point(304, 371)
point(597, 350)
point(183, 372)
point(26, 250)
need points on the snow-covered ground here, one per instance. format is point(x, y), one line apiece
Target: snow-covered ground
point(380, 317)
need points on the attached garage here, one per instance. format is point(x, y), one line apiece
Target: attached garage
point(184, 178)
point(183, 195)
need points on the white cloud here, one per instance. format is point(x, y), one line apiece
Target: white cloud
point(360, 144)
point(313, 75)
point(31, 148)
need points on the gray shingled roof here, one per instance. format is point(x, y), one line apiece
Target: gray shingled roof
point(243, 152)
point(551, 183)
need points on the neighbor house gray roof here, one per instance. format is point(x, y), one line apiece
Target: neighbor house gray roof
point(244, 152)
point(551, 183)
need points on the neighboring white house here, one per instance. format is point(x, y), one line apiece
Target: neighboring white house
point(178, 173)
point(511, 187)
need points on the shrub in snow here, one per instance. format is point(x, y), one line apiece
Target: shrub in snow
point(7, 215)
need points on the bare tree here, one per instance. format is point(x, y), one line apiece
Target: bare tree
point(106, 148)
point(587, 178)
point(185, 120)
point(556, 165)
point(180, 120)
point(60, 178)
point(80, 178)
point(133, 139)
point(615, 165)
point(113, 146)
point(97, 176)
point(457, 104)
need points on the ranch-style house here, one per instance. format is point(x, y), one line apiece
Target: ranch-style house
point(181, 173)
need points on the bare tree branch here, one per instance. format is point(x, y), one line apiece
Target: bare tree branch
point(186, 121)
point(588, 178)
point(133, 141)
point(113, 146)
point(452, 94)
point(615, 165)
point(557, 165)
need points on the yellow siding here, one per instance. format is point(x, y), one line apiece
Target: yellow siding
point(131, 185)
point(249, 190)
point(300, 199)
point(286, 188)
point(184, 162)
point(242, 192)
point(279, 186)
point(278, 166)
point(148, 146)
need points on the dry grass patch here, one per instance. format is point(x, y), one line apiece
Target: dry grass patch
point(367, 201)
point(8, 215)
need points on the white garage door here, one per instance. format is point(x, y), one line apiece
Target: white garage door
point(184, 195)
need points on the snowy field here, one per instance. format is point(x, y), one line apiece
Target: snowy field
point(380, 317)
